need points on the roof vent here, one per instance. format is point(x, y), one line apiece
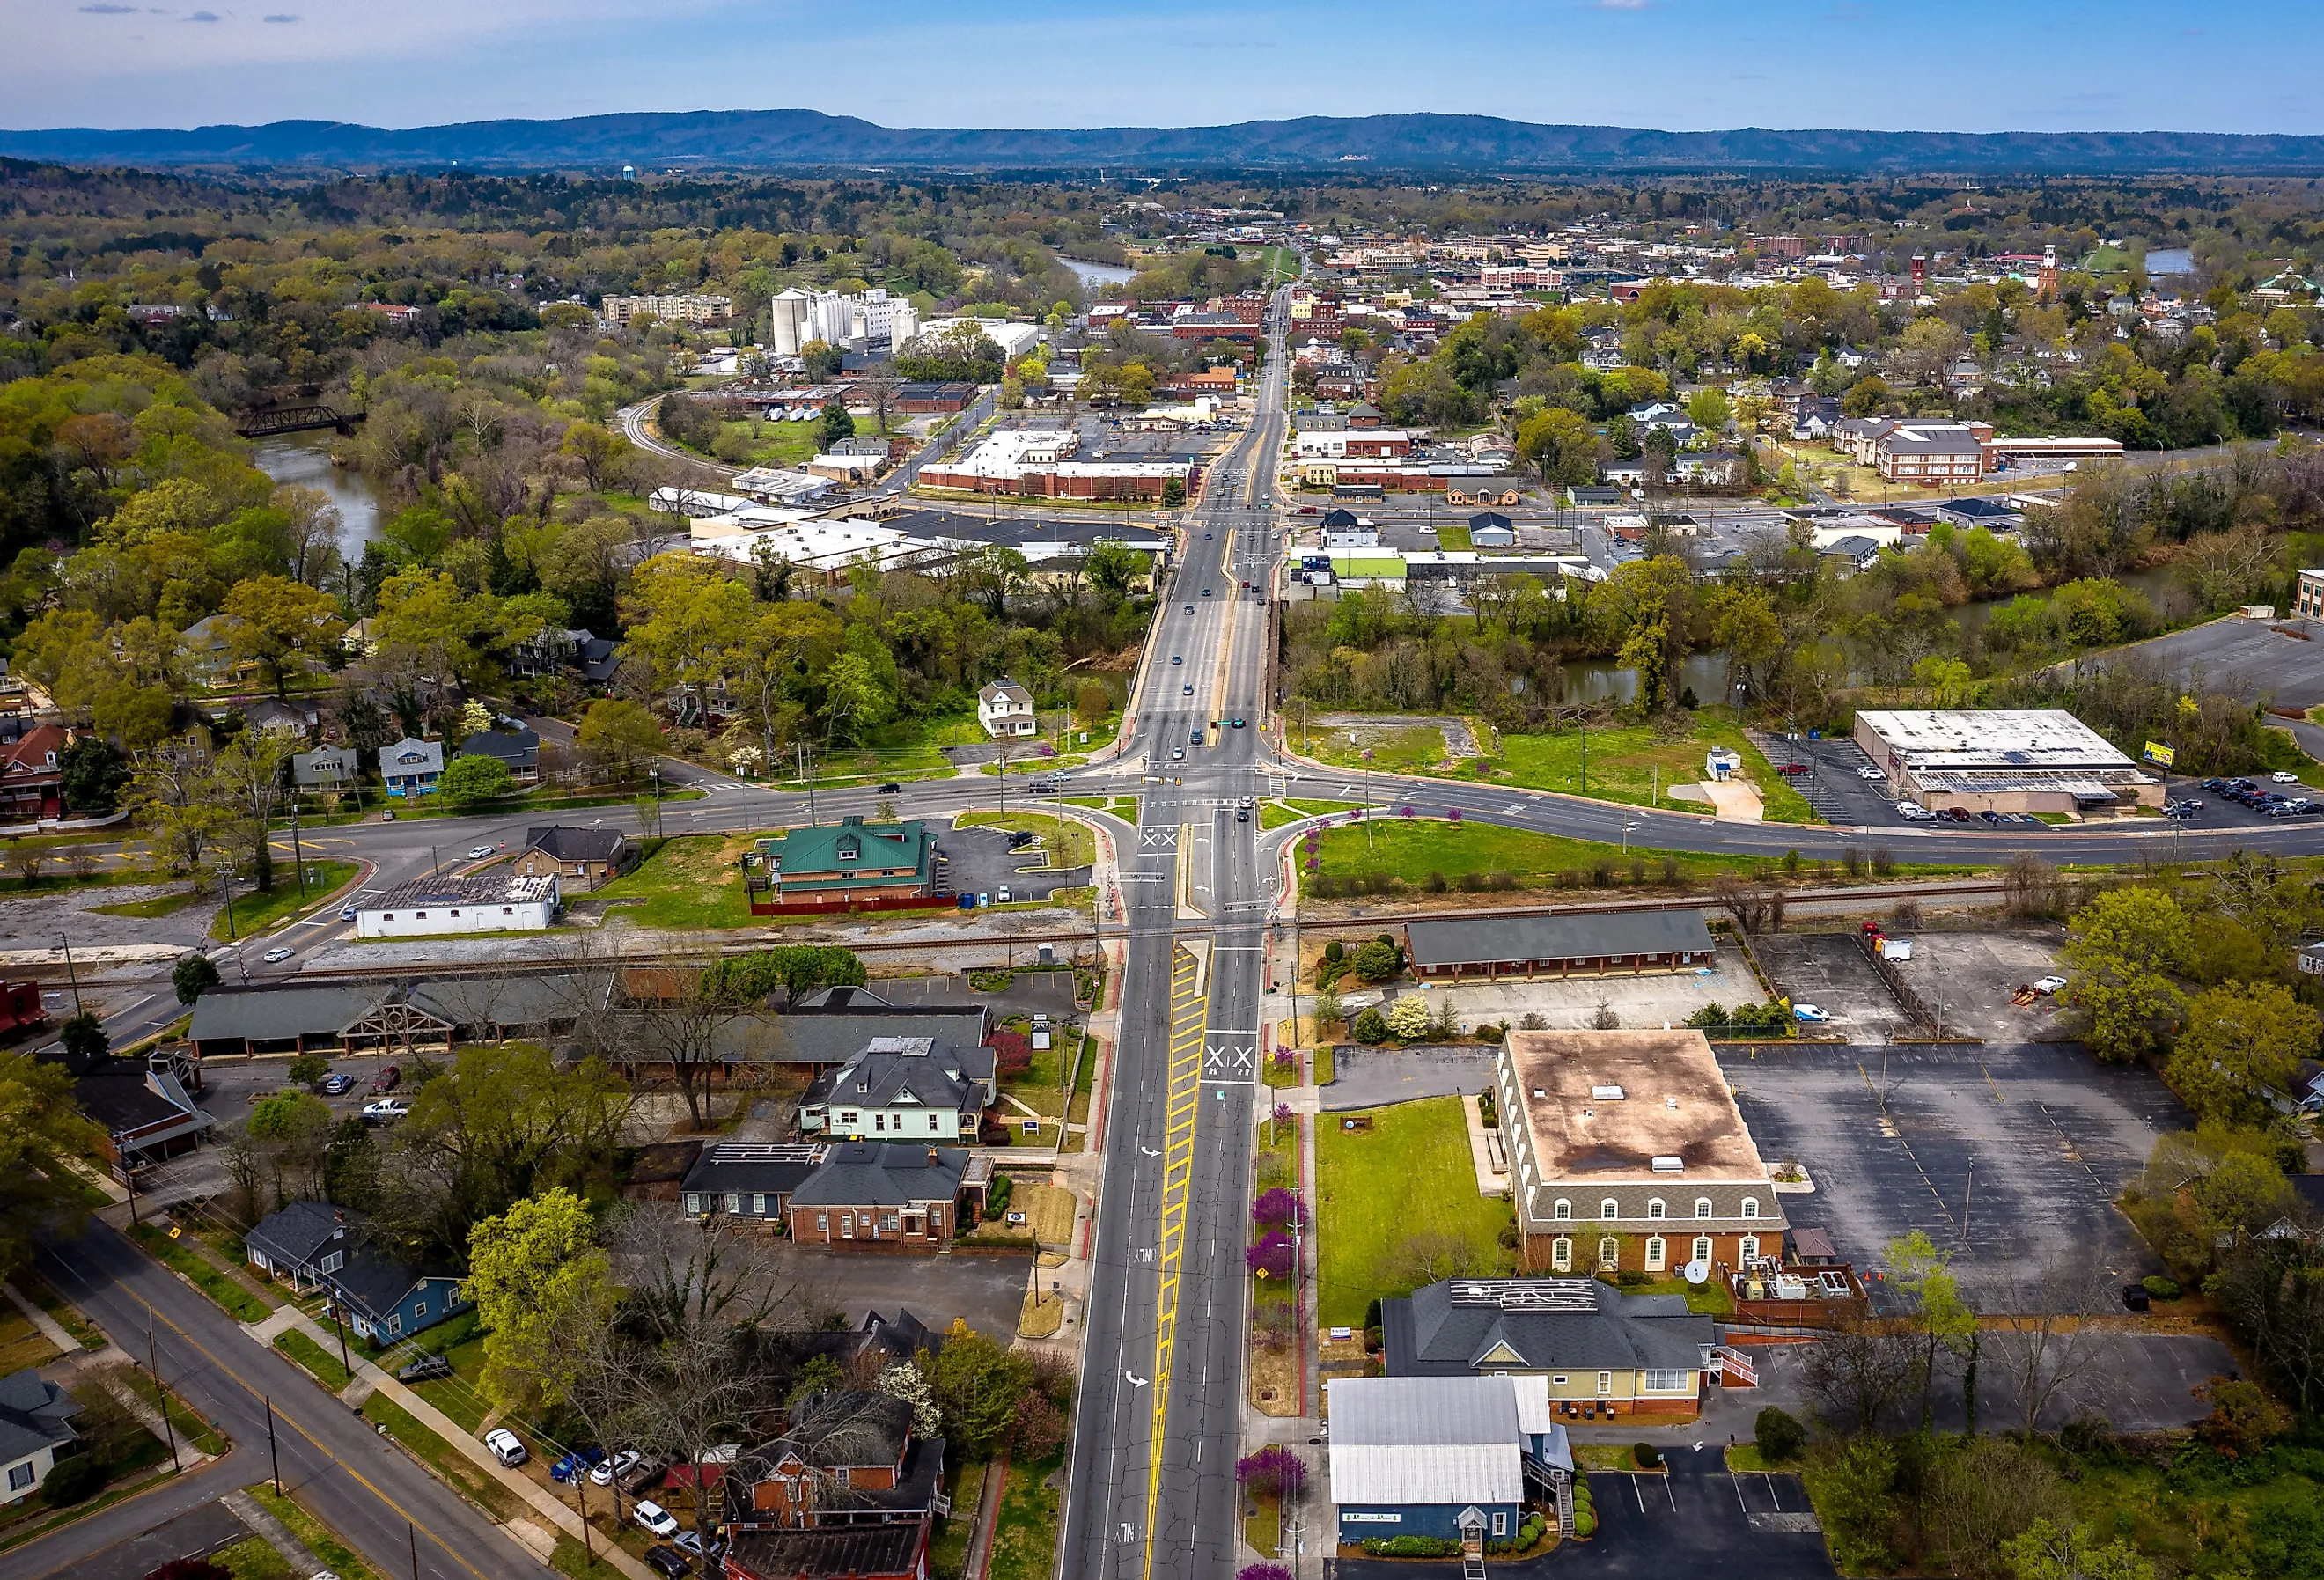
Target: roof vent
point(1671, 1103)
point(1670, 1164)
point(1607, 1094)
point(1538, 1092)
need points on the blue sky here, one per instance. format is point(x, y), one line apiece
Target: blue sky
point(1968, 65)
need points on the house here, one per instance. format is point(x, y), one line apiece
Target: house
point(855, 858)
point(1583, 496)
point(1344, 529)
point(411, 767)
point(1626, 1150)
point(208, 654)
point(1855, 551)
point(1721, 763)
point(288, 721)
point(1005, 709)
point(303, 1243)
point(32, 781)
point(1454, 1458)
point(906, 1197)
point(1491, 530)
point(144, 1107)
point(748, 1179)
point(848, 1458)
point(1597, 1351)
point(1631, 941)
point(330, 768)
point(911, 1087)
point(384, 1299)
point(518, 749)
point(580, 858)
point(36, 1421)
point(837, 1552)
point(495, 903)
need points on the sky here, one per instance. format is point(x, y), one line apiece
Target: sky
point(1957, 65)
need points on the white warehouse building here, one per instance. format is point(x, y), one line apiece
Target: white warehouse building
point(447, 904)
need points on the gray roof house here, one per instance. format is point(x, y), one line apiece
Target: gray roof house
point(303, 1242)
point(519, 749)
point(328, 766)
point(910, 1196)
point(36, 1419)
point(411, 766)
point(1595, 1345)
point(915, 1087)
point(748, 1179)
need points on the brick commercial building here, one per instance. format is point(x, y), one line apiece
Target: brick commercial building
point(890, 1196)
point(1628, 1152)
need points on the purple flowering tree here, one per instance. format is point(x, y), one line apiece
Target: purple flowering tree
point(1278, 1209)
point(1272, 1255)
point(1274, 1471)
point(1262, 1571)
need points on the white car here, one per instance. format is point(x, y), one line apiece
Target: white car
point(655, 1518)
point(1868, 771)
point(386, 1110)
point(2049, 985)
point(621, 1465)
point(479, 852)
point(499, 1439)
point(275, 956)
point(1808, 1012)
point(2282, 776)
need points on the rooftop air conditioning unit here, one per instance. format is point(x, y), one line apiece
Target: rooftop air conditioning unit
point(1670, 1164)
point(1609, 1094)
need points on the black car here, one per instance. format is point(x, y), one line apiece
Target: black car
point(425, 1369)
point(664, 1560)
point(892, 788)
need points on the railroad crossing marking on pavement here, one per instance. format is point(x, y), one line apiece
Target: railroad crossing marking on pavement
point(1188, 1013)
point(1234, 1062)
point(1158, 838)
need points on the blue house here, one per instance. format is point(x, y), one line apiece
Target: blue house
point(384, 1300)
point(411, 767)
point(1457, 1458)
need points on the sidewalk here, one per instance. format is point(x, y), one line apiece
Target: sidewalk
point(369, 1380)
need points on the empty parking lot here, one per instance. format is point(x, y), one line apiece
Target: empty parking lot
point(2007, 1156)
point(1829, 971)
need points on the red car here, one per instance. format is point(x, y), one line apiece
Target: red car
point(1793, 768)
point(387, 1079)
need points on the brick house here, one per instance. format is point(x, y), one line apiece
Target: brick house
point(1627, 1151)
point(849, 1458)
point(31, 780)
point(584, 858)
point(907, 1197)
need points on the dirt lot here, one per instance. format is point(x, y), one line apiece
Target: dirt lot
point(1569, 1004)
point(1829, 971)
point(2009, 1156)
point(1970, 977)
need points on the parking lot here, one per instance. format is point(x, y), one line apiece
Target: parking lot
point(1968, 978)
point(2008, 1156)
point(983, 862)
point(1829, 971)
point(988, 1290)
point(2250, 659)
point(1647, 1000)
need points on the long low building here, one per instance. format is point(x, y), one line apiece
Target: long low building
point(1591, 943)
point(2001, 760)
point(446, 904)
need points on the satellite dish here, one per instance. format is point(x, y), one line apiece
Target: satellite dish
point(1698, 1271)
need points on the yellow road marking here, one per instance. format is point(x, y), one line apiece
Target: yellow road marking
point(1188, 1019)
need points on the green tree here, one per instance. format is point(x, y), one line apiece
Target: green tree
point(978, 1385)
point(91, 773)
point(1939, 1311)
point(308, 1069)
point(2242, 1041)
point(1559, 444)
point(2120, 953)
point(531, 1271)
point(1377, 960)
point(280, 626)
point(2045, 1550)
point(603, 457)
point(42, 1133)
point(618, 736)
point(193, 976)
point(467, 781)
point(1709, 410)
point(836, 425)
point(1407, 1018)
point(84, 1040)
point(1868, 396)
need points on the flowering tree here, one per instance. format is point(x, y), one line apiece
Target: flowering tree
point(1276, 1209)
point(1408, 1017)
point(1272, 1255)
point(1273, 1470)
point(1262, 1571)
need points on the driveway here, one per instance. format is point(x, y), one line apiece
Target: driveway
point(198, 1532)
point(1370, 1077)
point(987, 1289)
point(2005, 1156)
point(1698, 1521)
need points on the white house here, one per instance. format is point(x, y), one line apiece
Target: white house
point(411, 767)
point(34, 1418)
point(1005, 708)
point(459, 905)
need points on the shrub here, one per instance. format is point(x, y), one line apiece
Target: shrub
point(1411, 1547)
point(1335, 951)
point(1407, 1018)
point(1377, 960)
point(1272, 1255)
point(996, 1200)
point(1630, 1278)
point(1262, 1571)
point(2243, 1420)
point(1585, 1522)
point(1778, 1433)
point(75, 1479)
point(1371, 1025)
point(1648, 1457)
point(2159, 1287)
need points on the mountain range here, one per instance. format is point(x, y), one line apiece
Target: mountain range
point(778, 139)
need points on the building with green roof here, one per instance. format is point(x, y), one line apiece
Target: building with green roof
point(853, 857)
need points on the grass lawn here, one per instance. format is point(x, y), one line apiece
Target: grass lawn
point(1413, 848)
point(252, 1558)
point(1025, 1534)
point(529, 803)
point(318, 1361)
point(1409, 1174)
point(235, 1300)
point(1282, 263)
point(320, 1539)
point(688, 881)
point(161, 905)
point(1454, 535)
point(1070, 844)
point(900, 750)
point(36, 1289)
point(190, 1427)
point(254, 911)
point(1635, 764)
point(22, 1345)
point(460, 1341)
point(948, 1541)
point(455, 1467)
point(572, 1560)
point(1711, 1300)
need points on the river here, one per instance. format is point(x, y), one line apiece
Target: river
point(305, 460)
point(1093, 276)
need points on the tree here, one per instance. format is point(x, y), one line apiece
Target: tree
point(686, 1021)
point(905, 1381)
point(532, 1271)
point(1377, 960)
point(978, 1384)
point(42, 1133)
point(1709, 410)
point(2045, 1550)
point(279, 624)
point(1778, 1434)
point(1407, 1018)
point(2243, 1042)
point(1856, 1374)
point(193, 976)
point(2121, 950)
point(836, 425)
point(1372, 1026)
point(2244, 1420)
point(1943, 1317)
point(286, 1134)
point(248, 778)
point(616, 735)
point(308, 1069)
point(467, 781)
point(2049, 1342)
point(1560, 444)
point(91, 773)
point(599, 455)
point(84, 1040)
point(1870, 396)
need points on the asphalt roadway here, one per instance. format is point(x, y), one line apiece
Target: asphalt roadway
point(378, 1499)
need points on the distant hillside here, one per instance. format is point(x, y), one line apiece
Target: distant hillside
point(768, 139)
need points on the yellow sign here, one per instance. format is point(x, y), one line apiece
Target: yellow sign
point(2156, 751)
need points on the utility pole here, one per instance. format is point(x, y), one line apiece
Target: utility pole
point(299, 860)
point(339, 1323)
point(71, 975)
point(273, 1458)
point(160, 1394)
point(412, 1536)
